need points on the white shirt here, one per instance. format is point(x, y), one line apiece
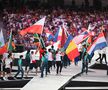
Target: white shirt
point(58, 57)
point(32, 57)
point(7, 62)
point(5, 55)
point(50, 58)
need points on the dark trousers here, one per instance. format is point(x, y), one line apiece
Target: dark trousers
point(44, 66)
point(80, 56)
point(99, 58)
point(59, 66)
point(27, 64)
point(20, 69)
point(65, 63)
point(85, 67)
point(49, 65)
point(53, 63)
point(103, 57)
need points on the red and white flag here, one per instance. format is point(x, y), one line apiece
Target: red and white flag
point(35, 28)
point(79, 38)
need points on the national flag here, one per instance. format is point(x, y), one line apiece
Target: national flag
point(35, 28)
point(3, 49)
point(83, 29)
point(79, 38)
point(91, 33)
point(87, 41)
point(72, 50)
point(11, 45)
point(99, 43)
point(36, 38)
point(60, 36)
point(2, 43)
point(70, 37)
point(38, 41)
point(42, 42)
point(63, 38)
point(49, 35)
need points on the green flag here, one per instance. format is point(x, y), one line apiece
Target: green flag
point(10, 48)
point(36, 38)
point(42, 42)
point(0, 44)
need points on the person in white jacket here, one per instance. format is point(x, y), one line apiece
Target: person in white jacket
point(58, 62)
point(50, 58)
point(32, 63)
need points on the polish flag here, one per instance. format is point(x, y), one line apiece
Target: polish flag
point(35, 28)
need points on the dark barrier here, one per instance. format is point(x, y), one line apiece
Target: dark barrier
point(19, 48)
point(19, 83)
point(99, 66)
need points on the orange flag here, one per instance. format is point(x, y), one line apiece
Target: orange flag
point(3, 49)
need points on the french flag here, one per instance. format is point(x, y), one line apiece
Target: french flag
point(99, 43)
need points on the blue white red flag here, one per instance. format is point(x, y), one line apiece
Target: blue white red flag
point(49, 35)
point(99, 43)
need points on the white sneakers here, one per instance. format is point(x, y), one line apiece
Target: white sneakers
point(4, 78)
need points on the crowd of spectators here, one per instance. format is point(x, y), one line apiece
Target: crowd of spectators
point(74, 22)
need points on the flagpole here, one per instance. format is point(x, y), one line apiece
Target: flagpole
point(40, 38)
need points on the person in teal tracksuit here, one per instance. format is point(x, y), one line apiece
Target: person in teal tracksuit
point(44, 64)
point(85, 60)
point(20, 69)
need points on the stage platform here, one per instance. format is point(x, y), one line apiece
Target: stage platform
point(95, 79)
point(52, 81)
